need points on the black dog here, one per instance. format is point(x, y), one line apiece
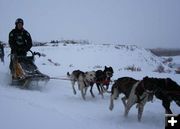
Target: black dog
point(129, 86)
point(166, 90)
point(103, 78)
point(122, 85)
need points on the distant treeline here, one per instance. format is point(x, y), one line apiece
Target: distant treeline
point(71, 41)
point(165, 52)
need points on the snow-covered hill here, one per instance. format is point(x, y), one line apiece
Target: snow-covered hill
point(93, 56)
point(54, 105)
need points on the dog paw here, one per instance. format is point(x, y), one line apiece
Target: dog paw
point(93, 95)
point(139, 119)
point(110, 108)
point(84, 98)
point(125, 114)
point(102, 96)
point(74, 93)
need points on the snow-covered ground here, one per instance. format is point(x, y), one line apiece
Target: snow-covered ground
point(54, 106)
point(176, 59)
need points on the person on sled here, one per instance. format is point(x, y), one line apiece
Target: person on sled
point(20, 41)
point(1, 52)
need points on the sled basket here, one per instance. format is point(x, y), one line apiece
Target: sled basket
point(24, 69)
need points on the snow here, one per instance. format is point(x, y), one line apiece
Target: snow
point(176, 59)
point(55, 106)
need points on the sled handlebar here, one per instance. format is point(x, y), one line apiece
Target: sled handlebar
point(35, 53)
point(32, 57)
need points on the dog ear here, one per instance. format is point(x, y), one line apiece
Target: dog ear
point(112, 69)
point(168, 79)
point(146, 77)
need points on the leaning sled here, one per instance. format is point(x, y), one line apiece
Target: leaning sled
point(25, 72)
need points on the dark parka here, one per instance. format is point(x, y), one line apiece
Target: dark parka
point(20, 42)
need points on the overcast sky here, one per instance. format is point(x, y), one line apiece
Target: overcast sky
point(146, 23)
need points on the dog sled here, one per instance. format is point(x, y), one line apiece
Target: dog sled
point(24, 71)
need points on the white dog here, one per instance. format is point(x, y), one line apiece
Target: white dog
point(84, 80)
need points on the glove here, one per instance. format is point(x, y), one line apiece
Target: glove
point(37, 53)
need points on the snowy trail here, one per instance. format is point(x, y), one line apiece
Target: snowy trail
point(58, 107)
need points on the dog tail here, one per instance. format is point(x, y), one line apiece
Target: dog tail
point(68, 74)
